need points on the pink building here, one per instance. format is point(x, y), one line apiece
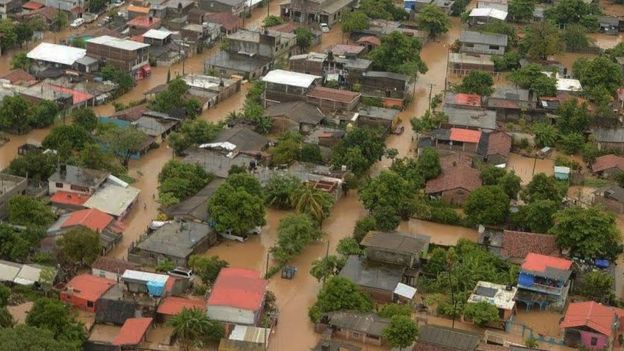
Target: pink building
point(593, 326)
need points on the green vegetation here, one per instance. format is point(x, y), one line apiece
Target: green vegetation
point(481, 313)
point(339, 294)
point(398, 53)
point(358, 150)
point(78, 247)
point(384, 9)
point(193, 132)
point(354, 21)
point(123, 79)
point(432, 19)
point(270, 21)
point(312, 202)
point(536, 216)
point(401, 332)
point(521, 11)
point(487, 205)
point(294, 233)
point(531, 77)
point(59, 319)
point(477, 82)
point(175, 98)
point(192, 328)
point(541, 40)
point(207, 268)
point(180, 180)
point(567, 12)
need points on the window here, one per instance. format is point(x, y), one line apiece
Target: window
point(594, 341)
point(90, 304)
point(494, 47)
point(59, 185)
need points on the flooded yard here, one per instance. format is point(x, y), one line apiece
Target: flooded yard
point(526, 167)
point(441, 234)
point(542, 322)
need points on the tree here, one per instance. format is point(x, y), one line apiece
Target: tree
point(287, 148)
point(84, 117)
point(521, 10)
point(9, 35)
point(314, 202)
point(428, 121)
point(384, 9)
point(270, 21)
point(24, 337)
point(542, 187)
point(536, 216)
point(207, 268)
point(389, 190)
point(123, 142)
point(79, 245)
point(600, 75)
point(180, 180)
point(572, 143)
point(541, 40)
point(394, 309)
point(481, 313)
point(354, 21)
point(43, 114)
point(6, 319)
point(95, 6)
point(432, 19)
point(192, 132)
point(598, 286)
point(235, 209)
point(94, 157)
point(36, 166)
point(339, 294)
point(5, 294)
point(575, 38)
point(477, 82)
point(20, 61)
point(279, 190)
point(510, 183)
point(401, 332)
point(294, 233)
point(510, 60)
point(410, 169)
point(123, 79)
point(545, 134)
point(587, 232)
point(16, 244)
point(531, 77)
point(193, 328)
point(174, 98)
point(398, 53)
point(362, 227)
point(491, 175)
point(246, 182)
point(359, 149)
point(349, 246)
point(14, 114)
point(58, 318)
point(67, 139)
point(567, 12)
point(61, 20)
point(326, 267)
point(487, 205)
point(386, 218)
point(429, 163)
point(27, 210)
point(574, 117)
point(311, 153)
point(303, 37)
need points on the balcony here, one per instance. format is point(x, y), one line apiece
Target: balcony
point(543, 288)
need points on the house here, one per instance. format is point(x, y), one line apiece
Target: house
point(334, 345)
point(137, 11)
point(320, 177)
point(347, 50)
point(494, 147)
point(565, 85)
point(228, 22)
point(285, 86)
point(157, 37)
point(74, 179)
point(116, 199)
point(364, 327)
point(237, 296)
point(331, 100)
point(499, 295)
point(325, 137)
point(372, 116)
point(308, 63)
point(111, 268)
point(386, 85)
point(132, 332)
point(67, 98)
point(461, 63)
point(434, 337)
point(10, 186)
point(482, 15)
point(174, 241)
point(454, 184)
point(319, 11)
point(608, 166)
point(396, 248)
point(25, 274)
point(296, 115)
point(514, 246)
point(173, 305)
point(609, 24)
point(127, 55)
point(493, 4)
point(482, 43)
point(544, 281)
point(609, 138)
point(156, 128)
point(32, 6)
point(108, 229)
point(47, 55)
point(141, 282)
point(247, 338)
point(201, 36)
point(19, 77)
point(376, 279)
point(470, 118)
point(463, 101)
point(611, 198)
point(141, 24)
point(84, 290)
point(458, 139)
point(194, 208)
point(592, 326)
point(235, 7)
point(510, 103)
point(369, 41)
point(221, 88)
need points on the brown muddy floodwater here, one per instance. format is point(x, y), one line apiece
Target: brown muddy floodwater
point(526, 167)
point(542, 322)
point(441, 234)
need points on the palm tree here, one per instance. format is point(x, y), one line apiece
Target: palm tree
point(193, 328)
point(312, 201)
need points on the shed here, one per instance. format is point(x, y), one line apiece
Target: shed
point(562, 173)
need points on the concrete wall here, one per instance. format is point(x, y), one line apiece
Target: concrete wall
point(391, 257)
point(482, 49)
point(232, 315)
point(106, 274)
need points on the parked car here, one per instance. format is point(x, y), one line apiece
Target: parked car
point(324, 27)
point(77, 23)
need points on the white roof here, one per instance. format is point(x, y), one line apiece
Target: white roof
point(144, 276)
point(250, 334)
point(566, 84)
point(294, 79)
point(226, 145)
point(488, 12)
point(496, 294)
point(61, 54)
point(117, 181)
point(405, 291)
point(561, 169)
point(157, 34)
point(8, 271)
point(118, 43)
point(113, 199)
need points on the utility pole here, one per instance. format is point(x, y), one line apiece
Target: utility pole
point(430, 92)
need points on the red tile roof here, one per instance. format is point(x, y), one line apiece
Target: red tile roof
point(88, 287)
point(77, 95)
point(67, 198)
point(499, 143)
point(226, 19)
point(465, 135)
point(608, 161)
point(19, 75)
point(517, 245)
point(91, 218)
point(468, 99)
point(459, 176)
point(592, 315)
point(331, 94)
point(114, 265)
point(538, 263)
point(369, 39)
point(240, 288)
point(172, 305)
point(342, 49)
point(132, 331)
point(31, 5)
point(144, 22)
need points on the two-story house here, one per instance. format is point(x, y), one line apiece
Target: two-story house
point(236, 7)
point(483, 43)
point(316, 11)
point(127, 55)
point(395, 248)
point(286, 86)
point(75, 179)
point(544, 281)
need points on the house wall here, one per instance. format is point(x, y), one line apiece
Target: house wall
point(374, 122)
point(216, 6)
point(583, 338)
point(455, 196)
point(78, 302)
point(106, 274)
point(53, 187)
point(357, 336)
point(475, 48)
point(306, 66)
point(331, 106)
point(284, 93)
point(383, 87)
point(123, 59)
point(610, 146)
point(379, 296)
point(400, 259)
point(610, 173)
point(151, 258)
point(233, 315)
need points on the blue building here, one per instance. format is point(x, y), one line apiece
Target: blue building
point(544, 281)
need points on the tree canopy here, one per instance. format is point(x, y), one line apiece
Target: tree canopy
point(401, 332)
point(175, 98)
point(24, 337)
point(487, 205)
point(359, 149)
point(398, 53)
point(36, 166)
point(541, 40)
point(481, 313)
point(599, 76)
point(312, 201)
point(27, 210)
point(192, 328)
point(536, 216)
point(521, 10)
point(193, 132)
point(123, 142)
point(389, 190)
point(207, 268)
point(531, 77)
point(354, 21)
point(85, 118)
point(234, 208)
point(432, 19)
point(384, 9)
point(477, 82)
point(80, 246)
point(567, 12)
point(575, 37)
point(543, 187)
point(57, 317)
point(180, 180)
point(294, 233)
point(279, 190)
point(339, 294)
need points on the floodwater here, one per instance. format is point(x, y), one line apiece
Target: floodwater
point(526, 167)
point(542, 322)
point(19, 312)
point(441, 234)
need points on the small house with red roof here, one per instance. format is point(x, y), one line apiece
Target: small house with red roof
point(237, 296)
point(173, 305)
point(456, 139)
point(463, 100)
point(494, 147)
point(141, 24)
point(84, 290)
point(132, 332)
point(369, 41)
point(544, 281)
point(593, 326)
point(454, 184)
point(608, 166)
point(108, 228)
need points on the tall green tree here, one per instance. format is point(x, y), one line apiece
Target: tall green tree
point(398, 53)
point(487, 205)
point(43, 114)
point(477, 82)
point(36, 166)
point(339, 294)
point(536, 216)
point(84, 117)
point(80, 246)
point(27, 210)
point(354, 21)
point(59, 319)
point(401, 332)
point(24, 337)
point(14, 114)
point(279, 190)
point(294, 233)
point(384, 9)
point(432, 19)
point(123, 142)
point(20, 61)
point(567, 12)
point(542, 187)
point(67, 139)
point(541, 40)
point(359, 149)
point(599, 76)
point(598, 286)
point(326, 267)
point(192, 328)
point(207, 268)
point(575, 37)
point(521, 10)
point(574, 117)
point(303, 38)
point(313, 202)
point(180, 180)
point(235, 209)
point(545, 134)
point(388, 189)
point(531, 77)
point(481, 313)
